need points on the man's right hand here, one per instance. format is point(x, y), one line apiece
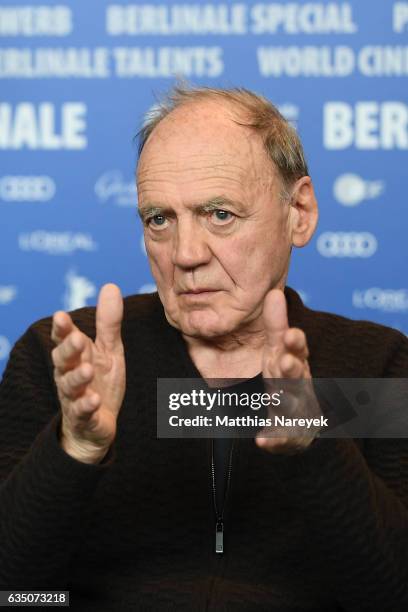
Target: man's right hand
point(90, 378)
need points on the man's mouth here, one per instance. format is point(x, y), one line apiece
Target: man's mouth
point(199, 291)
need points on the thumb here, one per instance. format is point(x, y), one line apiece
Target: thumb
point(275, 317)
point(109, 314)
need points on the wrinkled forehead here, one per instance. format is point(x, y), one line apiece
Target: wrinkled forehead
point(208, 133)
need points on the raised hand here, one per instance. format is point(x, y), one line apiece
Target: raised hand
point(90, 378)
point(285, 356)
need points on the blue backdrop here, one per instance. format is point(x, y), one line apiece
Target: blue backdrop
point(76, 79)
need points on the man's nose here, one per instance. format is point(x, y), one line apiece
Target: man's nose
point(190, 248)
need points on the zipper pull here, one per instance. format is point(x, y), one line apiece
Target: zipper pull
point(219, 537)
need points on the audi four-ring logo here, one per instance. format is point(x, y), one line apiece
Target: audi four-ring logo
point(347, 244)
point(27, 188)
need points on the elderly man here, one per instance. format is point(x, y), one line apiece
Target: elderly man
point(93, 502)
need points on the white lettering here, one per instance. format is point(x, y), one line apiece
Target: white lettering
point(374, 61)
point(35, 127)
point(388, 300)
point(306, 61)
point(74, 125)
point(57, 62)
point(400, 17)
point(376, 125)
point(282, 421)
point(56, 243)
point(337, 125)
point(308, 18)
point(366, 125)
point(36, 21)
point(176, 19)
point(153, 62)
point(394, 120)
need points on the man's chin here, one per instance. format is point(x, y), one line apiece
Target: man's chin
point(202, 325)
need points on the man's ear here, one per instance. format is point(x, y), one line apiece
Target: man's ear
point(304, 212)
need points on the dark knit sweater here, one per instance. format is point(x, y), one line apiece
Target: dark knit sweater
point(323, 530)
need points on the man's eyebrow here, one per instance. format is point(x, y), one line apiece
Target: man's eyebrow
point(219, 202)
point(151, 209)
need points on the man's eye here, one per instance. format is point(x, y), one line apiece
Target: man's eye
point(221, 217)
point(157, 221)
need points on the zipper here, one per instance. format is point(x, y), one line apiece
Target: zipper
point(219, 524)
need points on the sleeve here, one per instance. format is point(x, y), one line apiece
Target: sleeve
point(44, 492)
point(355, 504)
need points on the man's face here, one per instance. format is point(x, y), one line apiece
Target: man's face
point(216, 232)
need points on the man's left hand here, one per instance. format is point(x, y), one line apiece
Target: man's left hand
point(286, 356)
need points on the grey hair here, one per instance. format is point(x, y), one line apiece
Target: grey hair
point(280, 139)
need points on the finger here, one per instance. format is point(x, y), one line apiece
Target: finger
point(291, 366)
point(287, 446)
point(85, 406)
point(109, 314)
point(68, 354)
point(275, 317)
point(74, 383)
point(270, 443)
point(295, 342)
point(62, 325)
